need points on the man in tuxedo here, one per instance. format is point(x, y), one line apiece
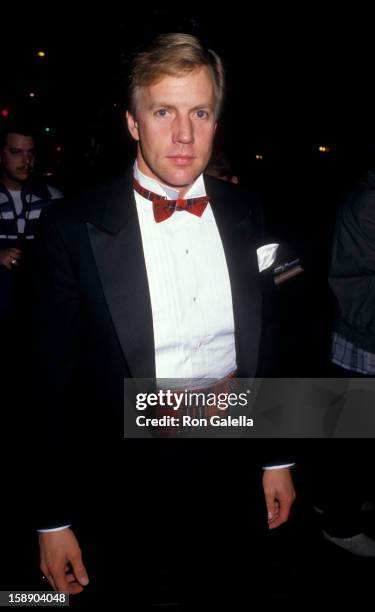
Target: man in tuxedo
point(153, 276)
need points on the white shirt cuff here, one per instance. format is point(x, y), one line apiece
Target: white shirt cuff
point(278, 467)
point(53, 529)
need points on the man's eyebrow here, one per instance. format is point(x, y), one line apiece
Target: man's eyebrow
point(18, 149)
point(171, 106)
point(203, 107)
point(160, 105)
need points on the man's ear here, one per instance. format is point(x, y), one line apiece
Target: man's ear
point(132, 126)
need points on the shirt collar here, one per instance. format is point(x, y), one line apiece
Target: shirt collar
point(196, 190)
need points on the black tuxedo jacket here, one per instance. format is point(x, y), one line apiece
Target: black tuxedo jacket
point(95, 329)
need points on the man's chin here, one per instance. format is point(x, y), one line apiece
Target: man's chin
point(181, 180)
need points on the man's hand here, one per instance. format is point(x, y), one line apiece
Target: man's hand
point(280, 494)
point(61, 561)
point(10, 257)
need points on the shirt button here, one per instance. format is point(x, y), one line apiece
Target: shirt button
point(187, 251)
point(194, 299)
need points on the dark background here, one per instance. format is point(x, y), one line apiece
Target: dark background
point(297, 79)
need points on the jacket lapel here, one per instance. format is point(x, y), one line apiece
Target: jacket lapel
point(117, 246)
point(238, 226)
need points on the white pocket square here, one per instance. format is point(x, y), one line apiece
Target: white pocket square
point(266, 256)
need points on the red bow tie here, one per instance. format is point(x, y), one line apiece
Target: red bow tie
point(164, 208)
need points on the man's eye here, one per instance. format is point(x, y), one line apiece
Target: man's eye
point(161, 112)
point(202, 114)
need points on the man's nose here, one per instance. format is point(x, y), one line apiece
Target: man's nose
point(183, 130)
point(27, 159)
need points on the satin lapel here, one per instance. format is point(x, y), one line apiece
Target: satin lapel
point(117, 246)
point(238, 228)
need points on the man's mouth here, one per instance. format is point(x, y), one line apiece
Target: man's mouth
point(181, 160)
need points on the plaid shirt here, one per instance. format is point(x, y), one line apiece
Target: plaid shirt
point(346, 355)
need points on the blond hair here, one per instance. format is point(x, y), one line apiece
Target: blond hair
point(174, 55)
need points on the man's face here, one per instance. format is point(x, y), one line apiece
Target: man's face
point(17, 159)
point(175, 126)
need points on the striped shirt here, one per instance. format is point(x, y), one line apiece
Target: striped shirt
point(20, 211)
